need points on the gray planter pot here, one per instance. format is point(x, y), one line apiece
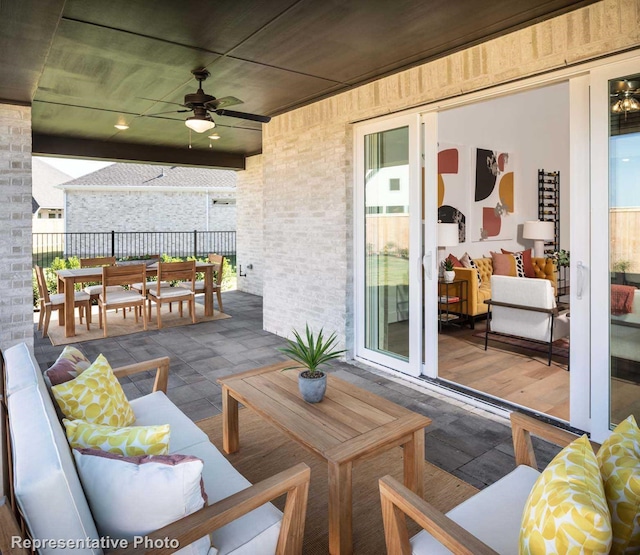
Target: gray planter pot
point(312, 389)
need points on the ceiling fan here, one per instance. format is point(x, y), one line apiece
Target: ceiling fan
point(203, 105)
point(625, 93)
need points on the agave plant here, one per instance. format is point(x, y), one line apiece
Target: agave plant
point(310, 351)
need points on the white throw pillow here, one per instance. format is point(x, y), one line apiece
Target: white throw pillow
point(133, 496)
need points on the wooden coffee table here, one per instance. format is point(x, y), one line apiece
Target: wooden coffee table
point(349, 424)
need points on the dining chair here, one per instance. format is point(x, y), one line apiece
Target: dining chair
point(152, 259)
point(169, 272)
point(94, 290)
point(55, 301)
point(218, 262)
point(116, 277)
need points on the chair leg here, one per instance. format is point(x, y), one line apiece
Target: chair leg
point(159, 313)
point(144, 317)
point(219, 296)
point(192, 310)
point(47, 317)
point(104, 321)
point(41, 316)
point(180, 309)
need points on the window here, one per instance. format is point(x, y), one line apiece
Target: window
point(394, 184)
point(375, 209)
point(396, 210)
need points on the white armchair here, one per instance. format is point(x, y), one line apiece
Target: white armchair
point(525, 308)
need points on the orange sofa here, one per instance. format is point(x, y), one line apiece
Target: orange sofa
point(477, 294)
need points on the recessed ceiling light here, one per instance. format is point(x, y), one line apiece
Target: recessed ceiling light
point(625, 159)
point(121, 126)
point(214, 136)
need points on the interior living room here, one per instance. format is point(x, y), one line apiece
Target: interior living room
point(528, 134)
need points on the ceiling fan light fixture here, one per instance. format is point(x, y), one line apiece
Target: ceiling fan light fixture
point(626, 104)
point(200, 124)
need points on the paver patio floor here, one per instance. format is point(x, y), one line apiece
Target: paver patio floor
point(470, 443)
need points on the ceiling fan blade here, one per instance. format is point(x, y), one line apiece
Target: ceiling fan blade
point(243, 115)
point(163, 101)
point(162, 113)
point(223, 102)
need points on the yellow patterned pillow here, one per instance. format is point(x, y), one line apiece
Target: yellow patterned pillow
point(130, 442)
point(95, 396)
point(619, 459)
point(566, 512)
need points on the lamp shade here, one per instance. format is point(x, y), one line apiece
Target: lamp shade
point(199, 125)
point(447, 235)
point(538, 231)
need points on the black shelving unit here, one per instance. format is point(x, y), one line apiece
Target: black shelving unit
point(549, 206)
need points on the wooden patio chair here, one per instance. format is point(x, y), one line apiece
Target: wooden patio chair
point(218, 262)
point(118, 297)
point(486, 524)
point(94, 290)
point(168, 272)
point(50, 302)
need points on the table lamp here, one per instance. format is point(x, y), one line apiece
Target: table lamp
point(539, 232)
point(447, 237)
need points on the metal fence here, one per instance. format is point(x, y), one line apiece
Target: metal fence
point(132, 244)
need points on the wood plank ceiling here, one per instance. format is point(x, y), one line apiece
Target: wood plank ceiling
point(85, 65)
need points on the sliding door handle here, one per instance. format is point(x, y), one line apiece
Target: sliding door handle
point(427, 263)
point(582, 276)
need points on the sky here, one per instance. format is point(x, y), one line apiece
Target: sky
point(73, 167)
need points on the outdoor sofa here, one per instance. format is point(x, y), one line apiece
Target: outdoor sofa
point(45, 498)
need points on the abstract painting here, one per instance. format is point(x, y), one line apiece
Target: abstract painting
point(453, 193)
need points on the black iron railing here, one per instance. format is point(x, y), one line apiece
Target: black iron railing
point(132, 244)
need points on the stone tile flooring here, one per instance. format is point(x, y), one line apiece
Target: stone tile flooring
point(474, 445)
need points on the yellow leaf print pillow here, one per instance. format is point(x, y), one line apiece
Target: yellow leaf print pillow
point(566, 511)
point(95, 396)
point(619, 460)
point(130, 442)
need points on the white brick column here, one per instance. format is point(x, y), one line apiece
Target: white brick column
point(250, 228)
point(16, 294)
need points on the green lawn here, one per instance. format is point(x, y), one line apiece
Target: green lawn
point(387, 270)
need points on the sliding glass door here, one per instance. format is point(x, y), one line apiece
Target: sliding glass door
point(615, 189)
point(388, 252)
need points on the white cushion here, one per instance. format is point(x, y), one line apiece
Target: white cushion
point(199, 286)
point(133, 496)
point(156, 408)
point(97, 289)
point(58, 298)
point(154, 284)
point(255, 533)
point(21, 371)
point(493, 515)
point(47, 487)
point(120, 297)
point(169, 292)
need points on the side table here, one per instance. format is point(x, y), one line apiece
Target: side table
point(452, 302)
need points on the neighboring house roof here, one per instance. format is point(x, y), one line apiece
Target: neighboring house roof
point(44, 179)
point(142, 176)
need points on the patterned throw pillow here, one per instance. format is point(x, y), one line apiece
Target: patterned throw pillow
point(529, 270)
point(95, 396)
point(508, 264)
point(68, 366)
point(133, 496)
point(566, 511)
point(131, 441)
point(619, 460)
point(474, 265)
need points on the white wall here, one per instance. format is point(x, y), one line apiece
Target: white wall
point(533, 126)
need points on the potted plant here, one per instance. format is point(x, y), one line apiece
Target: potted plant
point(310, 352)
point(449, 273)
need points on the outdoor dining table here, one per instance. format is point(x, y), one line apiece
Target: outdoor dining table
point(68, 278)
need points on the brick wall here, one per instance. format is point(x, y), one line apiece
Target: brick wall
point(16, 299)
point(307, 155)
point(249, 240)
point(148, 211)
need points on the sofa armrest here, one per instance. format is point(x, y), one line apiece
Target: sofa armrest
point(294, 482)
point(522, 426)
point(470, 275)
point(397, 501)
point(160, 365)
